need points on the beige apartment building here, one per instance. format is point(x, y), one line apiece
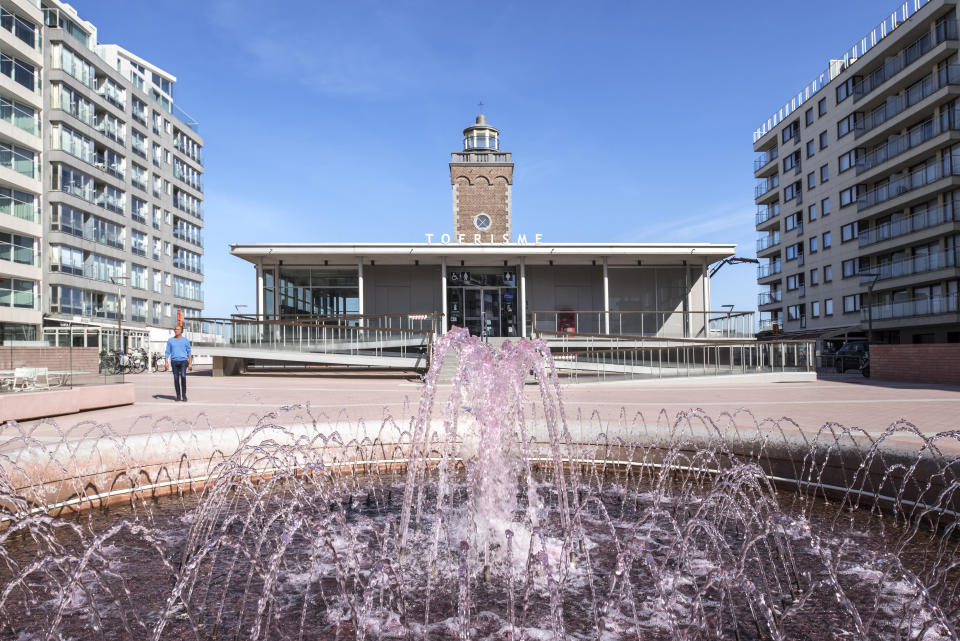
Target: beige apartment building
point(858, 192)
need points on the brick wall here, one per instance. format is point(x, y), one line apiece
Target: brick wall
point(931, 363)
point(78, 359)
point(482, 189)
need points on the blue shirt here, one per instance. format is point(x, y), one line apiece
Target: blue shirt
point(178, 349)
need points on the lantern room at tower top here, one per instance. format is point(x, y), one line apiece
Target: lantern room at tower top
point(482, 278)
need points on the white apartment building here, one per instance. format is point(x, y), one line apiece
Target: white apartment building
point(858, 193)
point(105, 191)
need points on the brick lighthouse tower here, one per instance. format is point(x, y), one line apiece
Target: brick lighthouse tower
point(482, 180)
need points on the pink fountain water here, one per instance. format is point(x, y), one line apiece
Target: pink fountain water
point(483, 518)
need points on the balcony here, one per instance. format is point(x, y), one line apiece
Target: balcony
point(945, 30)
point(114, 169)
point(915, 222)
point(911, 308)
point(139, 251)
point(914, 180)
point(763, 271)
point(948, 121)
point(768, 240)
point(895, 105)
point(769, 298)
point(766, 185)
point(764, 159)
point(922, 263)
point(766, 212)
point(195, 239)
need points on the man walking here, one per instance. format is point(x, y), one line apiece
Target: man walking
point(179, 359)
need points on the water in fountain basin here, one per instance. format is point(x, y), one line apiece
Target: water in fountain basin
point(500, 526)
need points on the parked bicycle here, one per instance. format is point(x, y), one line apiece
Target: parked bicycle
point(138, 360)
point(159, 363)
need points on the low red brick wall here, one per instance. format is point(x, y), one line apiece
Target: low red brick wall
point(78, 359)
point(930, 363)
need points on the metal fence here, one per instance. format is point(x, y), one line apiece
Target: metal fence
point(654, 323)
point(605, 356)
point(378, 335)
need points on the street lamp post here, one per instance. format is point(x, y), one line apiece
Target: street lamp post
point(873, 281)
point(118, 281)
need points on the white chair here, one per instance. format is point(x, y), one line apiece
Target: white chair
point(24, 379)
point(41, 379)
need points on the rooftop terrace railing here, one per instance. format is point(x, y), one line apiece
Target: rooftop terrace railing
point(881, 31)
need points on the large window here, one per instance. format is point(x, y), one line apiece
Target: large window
point(21, 204)
point(186, 259)
point(191, 176)
point(851, 303)
point(23, 73)
point(15, 292)
point(187, 231)
point(66, 259)
point(319, 291)
point(65, 58)
point(65, 98)
point(17, 248)
point(103, 267)
point(186, 288)
point(22, 161)
point(138, 242)
point(74, 143)
point(138, 276)
point(82, 302)
point(72, 181)
point(19, 115)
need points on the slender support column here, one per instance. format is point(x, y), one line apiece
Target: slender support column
point(706, 300)
point(442, 328)
point(360, 285)
point(260, 287)
point(606, 297)
point(523, 297)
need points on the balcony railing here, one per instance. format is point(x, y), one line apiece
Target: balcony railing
point(765, 185)
point(919, 264)
point(945, 30)
point(898, 186)
point(768, 298)
point(896, 145)
point(768, 240)
point(911, 308)
point(765, 158)
point(766, 212)
point(949, 75)
point(768, 270)
point(915, 222)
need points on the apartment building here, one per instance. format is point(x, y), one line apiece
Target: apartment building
point(858, 189)
point(21, 146)
point(101, 186)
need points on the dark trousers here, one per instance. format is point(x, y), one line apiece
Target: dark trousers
point(179, 378)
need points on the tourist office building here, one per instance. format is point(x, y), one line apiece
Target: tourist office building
point(483, 275)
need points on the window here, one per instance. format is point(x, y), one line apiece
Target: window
point(828, 307)
point(795, 251)
point(138, 143)
point(848, 161)
point(825, 207)
point(794, 221)
point(815, 309)
point(791, 131)
point(814, 276)
point(157, 281)
point(822, 107)
point(809, 148)
point(794, 282)
point(138, 310)
point(848, 196)
point(850, 268)
point(812, 212)
point(845, 89)
point(846, 125)
point(138, 242)
point(18, 159)
point(63, 97)
point(823, 140)
point(811, 180)
point(186, 288)
point(813, 244)
point(138, 210)
point(808, 116)
point(824, 173)
point(18, 293)
point(789, 162)
point(20, 249)
point(826, 240)
point(851, 303)
point(793, 191)
point(848, 232)
point(138, 276)
point(795, 313)
point(828, 273)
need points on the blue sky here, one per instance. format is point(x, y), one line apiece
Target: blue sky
point(334, 121)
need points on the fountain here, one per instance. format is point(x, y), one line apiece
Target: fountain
point(491, 515)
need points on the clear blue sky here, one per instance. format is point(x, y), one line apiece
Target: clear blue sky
point(333, 121)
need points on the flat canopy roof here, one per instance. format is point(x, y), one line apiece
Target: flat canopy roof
point(483, 253)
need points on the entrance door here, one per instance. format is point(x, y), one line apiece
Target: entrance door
point(473, 311)
point(491, 312)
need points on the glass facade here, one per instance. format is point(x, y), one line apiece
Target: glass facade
point(318, 292)
point(484, 300)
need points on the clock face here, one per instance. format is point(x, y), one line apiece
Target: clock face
point(482, 222)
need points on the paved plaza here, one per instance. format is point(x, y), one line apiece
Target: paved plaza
point(346, 396)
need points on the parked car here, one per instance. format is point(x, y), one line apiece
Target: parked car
point(849, 356)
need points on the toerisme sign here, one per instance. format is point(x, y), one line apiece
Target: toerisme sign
point(460, 239)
